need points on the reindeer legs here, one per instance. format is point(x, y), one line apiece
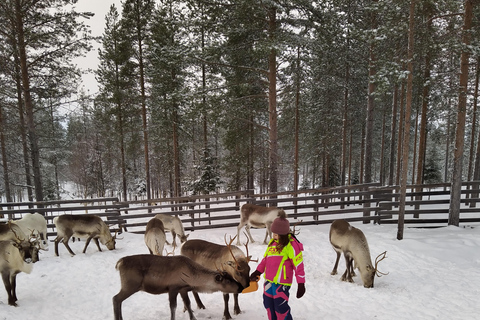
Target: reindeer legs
point(226, 313)
point(239, 227)
point(334, 271)
point(236, 307)
point(65, 242)
point(198, 301)
point(186, 302)
point(172, 296)
point(93, 236)
point(347, 276)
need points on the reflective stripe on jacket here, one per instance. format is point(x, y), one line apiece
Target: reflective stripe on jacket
point(279, 266)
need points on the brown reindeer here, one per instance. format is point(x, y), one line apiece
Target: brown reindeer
point(82, 226)
point(172, 275)
point(252, 215)
point(352, 243)
point(227, 258)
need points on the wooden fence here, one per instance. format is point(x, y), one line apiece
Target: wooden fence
point(426, 206)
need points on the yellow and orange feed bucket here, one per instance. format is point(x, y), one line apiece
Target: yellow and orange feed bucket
point(252, 287)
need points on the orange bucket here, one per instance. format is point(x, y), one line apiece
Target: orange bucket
point(252, 287)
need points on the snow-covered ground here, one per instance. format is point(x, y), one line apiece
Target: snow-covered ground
point(433, 274)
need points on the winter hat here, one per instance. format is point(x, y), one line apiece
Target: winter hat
point(281, 226)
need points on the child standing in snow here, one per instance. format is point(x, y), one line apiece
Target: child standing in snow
point(282, 258)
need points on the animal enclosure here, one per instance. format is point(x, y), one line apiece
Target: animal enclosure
point(426, 206)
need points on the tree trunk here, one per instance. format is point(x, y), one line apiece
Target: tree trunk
point(400, 133)
point(272, 102)
point(362, 155)
point(345, 124)
point(176, 154)
point(123, 164)
point(350, 150)
point(422, 143)
point(31, 130)
point(393, 131)
point(406, 130)
point(382, 151)
point(472, 161)
point(414, 157)
point(455, 192)
point(447, 146)
point(6, 170)
point(476, 172)
point(297, 122)
point(144, 114)
point(23, 134)
point(370, 105)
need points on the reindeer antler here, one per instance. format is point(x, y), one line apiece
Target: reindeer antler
point(383, 256)
point(16, 235)
point(229, 246)
point(294, 231)
point(115, 236)
point(249, 258)
point(33, 237)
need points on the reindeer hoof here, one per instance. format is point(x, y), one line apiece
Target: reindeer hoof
point(346, 279)
point(333, 272)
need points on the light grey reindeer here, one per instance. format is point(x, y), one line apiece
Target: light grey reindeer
point(352, 243)
point(16, 256)
point(252, 215)
point(155, 236)
point(174, 225)
point(168, 274)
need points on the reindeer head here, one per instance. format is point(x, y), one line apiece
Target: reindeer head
point(371, 271)
point(238, 267)
point(110, 244)
point(28, 247)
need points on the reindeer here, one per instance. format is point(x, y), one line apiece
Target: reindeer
point(255, 216)
point(228, 258)
point(352, 243)
point(155, 236)
point(172, 275)
point(174, 225)
point(16, 256)
point(35, 224)
point(11, 231)
point(83, 226)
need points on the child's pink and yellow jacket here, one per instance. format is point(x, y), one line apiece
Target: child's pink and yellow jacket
point(279, 266)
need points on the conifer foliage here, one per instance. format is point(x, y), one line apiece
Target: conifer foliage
point(206, 96)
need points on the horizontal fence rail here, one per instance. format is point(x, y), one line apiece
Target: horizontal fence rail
point(426, 206)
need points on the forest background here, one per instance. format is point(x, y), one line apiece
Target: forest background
point(209, 96)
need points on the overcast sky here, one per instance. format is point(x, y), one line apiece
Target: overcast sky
point(97, 24)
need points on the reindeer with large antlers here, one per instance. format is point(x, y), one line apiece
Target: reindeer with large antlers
point(17, 254)
point(352, 243)
point(227, 258)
